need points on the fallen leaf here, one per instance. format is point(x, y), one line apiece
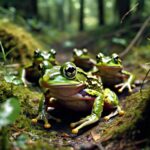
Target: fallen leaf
point(95, 135)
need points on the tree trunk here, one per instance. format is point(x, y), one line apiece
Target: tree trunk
point(70, 12)
point(28, 8)
point(60, 15)
point(81, 16)
point(101, 12)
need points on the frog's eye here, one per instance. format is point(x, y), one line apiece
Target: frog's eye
point(37, 53)
point(116, 57)
point(69, 70)
point(75, 51)
point(85, 51)
point(53, 52)
point(99, 56)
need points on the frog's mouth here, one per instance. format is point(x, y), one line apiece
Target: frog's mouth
point(71, 93)
point(115, 68)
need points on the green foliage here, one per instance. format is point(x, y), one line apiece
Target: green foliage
point(21, 141)
point(13, 79)
point(9, 111)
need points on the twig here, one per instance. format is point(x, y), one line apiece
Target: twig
point(127, 13)
point(140, 32)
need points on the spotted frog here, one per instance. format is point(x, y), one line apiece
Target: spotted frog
point(82, 59)
point(112, 73)
point(41, 58)
point(73, 88)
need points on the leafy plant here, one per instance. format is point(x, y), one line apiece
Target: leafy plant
point(4, 54)
point(9, 112)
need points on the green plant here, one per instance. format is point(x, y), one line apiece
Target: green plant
point(9, 112)
point(4, 54)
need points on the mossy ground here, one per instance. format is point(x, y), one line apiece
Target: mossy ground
point(16, 40)
point(22, 45)
point(38, 137)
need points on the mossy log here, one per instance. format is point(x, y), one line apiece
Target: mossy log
point(136, 107)
point(18, 42)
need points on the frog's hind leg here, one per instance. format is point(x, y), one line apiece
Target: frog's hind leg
point(94, 117)
point(72, 125)
point(116, 112)
point(89, 120)
point(110, 98)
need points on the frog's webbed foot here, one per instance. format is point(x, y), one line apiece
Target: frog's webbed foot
point(83, 122)
point(122, 86)
point(42, 116)
point(45, 116)
point(116, 112)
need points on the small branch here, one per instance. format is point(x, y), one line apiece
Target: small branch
point(127, 13)
point(140, 32)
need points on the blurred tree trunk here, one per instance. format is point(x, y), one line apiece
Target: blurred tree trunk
point(27, 8)
point(60, 14)
point(70, 12)
point(33, 4)
point(101, 12)
point(81, 16)
point(123, 6)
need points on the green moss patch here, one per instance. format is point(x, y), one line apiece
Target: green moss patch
point(18, 41)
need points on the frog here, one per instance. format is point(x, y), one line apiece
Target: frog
point(41, 58)
point(82, 59)
point(112, 72)
point(73, 88)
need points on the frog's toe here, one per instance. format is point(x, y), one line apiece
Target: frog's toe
point(75, 131)
point(120, 90)
point(34, 121)
point(121, 113)
point(118, 85)
point(47, 125)
point(106, 118)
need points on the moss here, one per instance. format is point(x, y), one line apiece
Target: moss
point(134, 107)
point(18, 41)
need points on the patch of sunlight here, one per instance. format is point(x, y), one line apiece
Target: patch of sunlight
point(109, 4)
point(90, 21)
point(77, 5)
point(87, 11)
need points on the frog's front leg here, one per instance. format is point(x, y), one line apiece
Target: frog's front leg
point(95, 115)
point(23, 72)
point(43, 115)
point(128, 84)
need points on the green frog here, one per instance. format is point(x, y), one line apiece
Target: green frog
point(82, 59)
point(33, 73)
point(71, 87)
point(111, 71)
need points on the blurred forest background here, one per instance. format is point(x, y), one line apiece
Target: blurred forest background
point(106, 25)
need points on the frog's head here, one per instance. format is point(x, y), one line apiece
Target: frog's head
point(112, 62)
point(63, 79)
point(80, 53)
point(40, 56)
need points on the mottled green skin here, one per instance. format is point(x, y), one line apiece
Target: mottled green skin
point(41, 60)
point(82, 59)
point(111, 71)
point(73, 88)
